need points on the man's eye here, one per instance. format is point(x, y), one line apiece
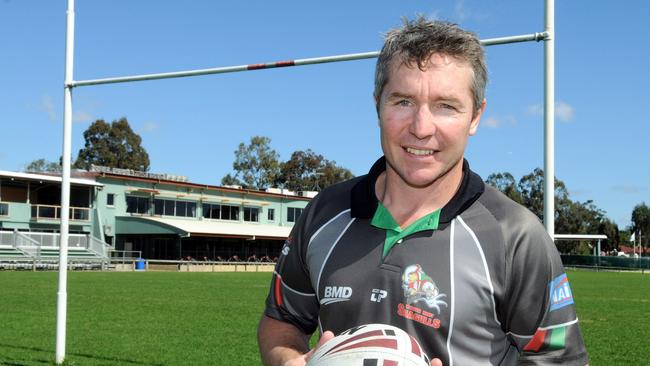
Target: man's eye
point(404, 102)
point(447, 106)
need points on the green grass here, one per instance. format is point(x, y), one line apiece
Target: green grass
point(614, 313)
point(133, 318)
point(210, 318)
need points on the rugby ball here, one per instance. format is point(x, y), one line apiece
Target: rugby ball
point(370, 345)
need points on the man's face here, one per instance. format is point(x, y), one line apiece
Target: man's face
point(426, 118)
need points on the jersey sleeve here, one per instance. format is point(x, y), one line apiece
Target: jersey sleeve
point(291, 298)
point(541, 318)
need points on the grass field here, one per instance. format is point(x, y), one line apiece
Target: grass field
point(211, 318)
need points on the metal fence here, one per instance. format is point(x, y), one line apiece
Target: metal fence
point(26, 244)
point(33, 245)
point(606, 262)
point(160, 265)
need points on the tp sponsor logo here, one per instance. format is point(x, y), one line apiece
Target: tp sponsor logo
point(336, 294)
point(377, 295)
point(560, 292)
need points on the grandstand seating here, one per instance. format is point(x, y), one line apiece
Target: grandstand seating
point(31, 246)
point(11, 252)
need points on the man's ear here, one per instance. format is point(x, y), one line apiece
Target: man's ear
point(476, 120)
point(377, 99)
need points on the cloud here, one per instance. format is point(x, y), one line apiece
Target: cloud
point(53, 115)
point(150, 127)
point(629, 188)
point(82, 116)
point(499, 121)
point(564, 112)
point(579, 192)
point(460, 12)
point(434, 15)
point(47, 106)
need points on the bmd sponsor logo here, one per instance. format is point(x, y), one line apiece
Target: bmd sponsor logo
point(336, 294)
point(560, 292)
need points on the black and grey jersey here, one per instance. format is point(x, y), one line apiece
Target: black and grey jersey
point(485, 288)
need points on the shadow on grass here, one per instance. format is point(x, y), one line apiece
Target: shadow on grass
point(31, 361)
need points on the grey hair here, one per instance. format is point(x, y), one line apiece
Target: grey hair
point(417, 40)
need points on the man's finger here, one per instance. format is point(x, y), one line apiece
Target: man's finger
point(327, 335)
point(436, 362)
point(324, 338)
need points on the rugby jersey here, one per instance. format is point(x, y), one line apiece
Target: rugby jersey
point(486, 287)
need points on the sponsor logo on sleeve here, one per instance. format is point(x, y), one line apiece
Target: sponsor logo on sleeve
point(285, 247)
point(560, 292)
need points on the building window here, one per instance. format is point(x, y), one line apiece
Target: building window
point(251, 214)
point(220, 212)
point(185, 209)
point(211, 211)
point(138, 205)
point(4, 209)
point(293, 213)
point(230, 213)
point(110, 199)
point(174, 208)
point(270, 214)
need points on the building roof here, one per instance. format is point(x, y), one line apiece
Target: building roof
point(48, 178)
point(185, 227)
point(208, 187)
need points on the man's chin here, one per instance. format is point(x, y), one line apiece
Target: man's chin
point(420, 180)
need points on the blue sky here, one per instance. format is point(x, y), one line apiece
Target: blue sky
point(191, 126)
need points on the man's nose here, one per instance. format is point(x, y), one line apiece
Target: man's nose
point(423, 124)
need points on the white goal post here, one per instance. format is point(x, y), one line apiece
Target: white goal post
point(548, 36)
point(597, 237)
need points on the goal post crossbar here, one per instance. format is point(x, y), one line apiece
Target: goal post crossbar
point(536, 37)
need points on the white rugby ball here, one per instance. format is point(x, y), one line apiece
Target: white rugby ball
point(370, 345)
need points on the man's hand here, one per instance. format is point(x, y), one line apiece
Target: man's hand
point(302, 360)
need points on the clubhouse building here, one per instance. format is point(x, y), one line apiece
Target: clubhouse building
point(157, 216)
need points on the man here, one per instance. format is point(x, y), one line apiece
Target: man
point(420, 242)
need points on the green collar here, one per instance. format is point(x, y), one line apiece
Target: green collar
point(394, 233)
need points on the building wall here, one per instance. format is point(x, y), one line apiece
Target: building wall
point(122, 188)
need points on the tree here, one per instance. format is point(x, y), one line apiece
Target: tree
point(505, 183)
point(571, 217)
point(256, 165)
point(641, 223)
point(42, 165)
point(578, 218)
point(531, 187)
point(114, 145)
point(609, 228)
point(333, 173)
point(309, 171)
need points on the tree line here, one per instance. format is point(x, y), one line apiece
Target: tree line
point(257, 165)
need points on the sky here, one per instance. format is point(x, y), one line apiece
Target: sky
point(192, 126)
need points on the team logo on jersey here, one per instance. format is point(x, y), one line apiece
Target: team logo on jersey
point(421, 290)
point(334, 294)
point(560, 292)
